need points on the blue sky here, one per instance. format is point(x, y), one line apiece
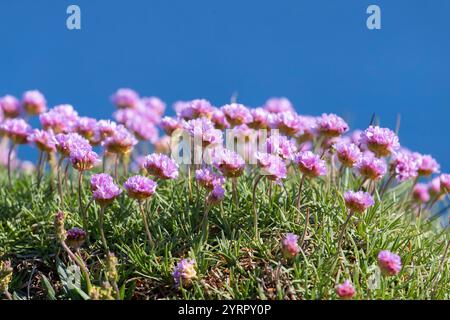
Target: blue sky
point(318, 53)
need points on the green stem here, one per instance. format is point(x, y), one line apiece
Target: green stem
point(255, 211)
point(11, 149)
point(101, 217)
point(147, 229)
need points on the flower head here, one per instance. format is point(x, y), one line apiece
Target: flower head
point(229, 163)
point(288, 122)
point(139, 187)
point(310, 164)
point(75, 237)
point(104, 189)
point(281, 146)
point(161, 166)
point(405, 165)
point(348, 154)
point(44, 140)
point(420, 193)
point(345, 290)
point(184, 273)
point(16, 129)
point(445, 182)
point(358, 201)
point(289, 246)
point(389, 263)
point(277, 105)
point(197, 108)
point(66, 143)
point(208, 178)
point(83, 159)
point(237, 114)
point(125, 98)
point(371, 167)
point(104, 129)
point(121, 142)
point(272, 166)
point(219, 120)
point(427, 164)
point(10, 106)
point(203, 130)
point(260, 119)
point(86, 126)
point(216, 195)
point(154, 105)
point(381, 141)
point(169, 125)
point(34, 102)
point(61, 119)
point(331, 125)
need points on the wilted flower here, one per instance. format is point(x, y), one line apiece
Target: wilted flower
point(104, 189)
point(16, 129)
point(331, 125)
point(420, 193)
point(6, 272)
point(83, 159)
point(277, 105)
point(184, 273)
point(34, 102)
point(59, 226)
point(371, 167)
point(281, 146)
point(216, 195)
point(121, 142)
point(229, 163)
point(75, 237)
point(237, 114)
point(389, 263)
point(169, 125)
point(358, 201)
point(381, 141)
point(289, 246)
point(44, 140)
point(197, 108)
point(139, 187)
point(208, 178)
point(348, 154)
point(125, 98)
point(427, 164)
point(310, 164)
point(10, 106)
point(272, 166)
point(345, 290)
point(219, 120)
point(161, 166)
point(61, 119)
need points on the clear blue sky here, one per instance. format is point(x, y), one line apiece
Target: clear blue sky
point(317, 53)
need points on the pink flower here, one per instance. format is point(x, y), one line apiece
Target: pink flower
point(16, 129)
point(162, 145)
point(216, 195)
point(219, 120)
point(140, 188)
point(61, 119)
point(121, 142)
point(307, 127)
point(125, 98)
point(85, 126)
point(389, 263)
point(237, 114)
point(169, 125)
point(104, 129)
point(184, 273)
point(371, 167)
point(208, 178)
point(143, 129)
point(34, 102)
point(288, 123)
point(348, 154)
point(345, 290)
point(202, 129)
point(405, 165)
point(272, 166)
point(434, 187)
point(358, 201)
point(310, 164)
point(277, 105)
point(427, 164)
point(44, 140)
point(289, 246)
point(260, 119)
point(229, 163)
point(197, 108)
point(331, 125)
point(154, 104)
point(65, 143)
point(161, 166)
point(83, 159)
point(445, 182)
point(104, 189)
point(381, 141)
point(281, 146)
point(75, 237)
point(420, 193)
point(11, 106)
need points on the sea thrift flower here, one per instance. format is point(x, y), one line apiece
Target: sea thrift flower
point(434, 187)
point(288, 123)
point(197, 108)
point(143, 129)
point(169, 125)
point(219, 120)
point(203, 130)
point(75, 237)
point(310, 164)
point(237, 114)
point(427, 165)
point(381, 141)
point(66, 143)
point(307, 127)
point(331, 125)
point(289, 246)
point(121, 142)
point(277, 105)
point(83, 159)
point(358, 201)
point(184, 273)
point(154, 104)
point(420, 193)
point(104, 189)
point(208, 178)
point(104, 129)
point(161, 166)
point(16, 129)
point(281, 146)
point(162, 145)
point(34, 102)
point(445, 182)
point(260, 119)
point(85, 126)
point(389, 263)
point(371, 167)
point(216, 195)
point(229, 163)
point(272, 166)
point(44, 140)
point(10, 106)
point(405, 166)
point(125, 98)
point(139, 187)
point(348, 154)
point(61, 119)
point(345, 290)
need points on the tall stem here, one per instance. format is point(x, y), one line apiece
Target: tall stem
point(80, 201)
point(39, 168)
point(80, 263)
point(116, 164)
point(234, 187)
point(60, 192)
point(101, 217)
point(306, 228)
point(299, 196)
point(255, 211)
point(147, 229)
point(386, 186)
point(11, 149)
point(344, 226)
